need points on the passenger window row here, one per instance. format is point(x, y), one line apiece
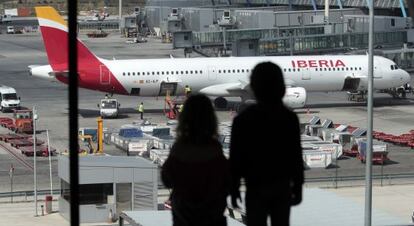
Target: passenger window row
point(224, 71)
point(162, 73)
point(326, 69)
point(340, 69)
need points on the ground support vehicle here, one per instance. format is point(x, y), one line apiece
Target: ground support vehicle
point(109, 108)
point(23, 121)
point(41, 150)
point(379, 152)
point(12, 136)
point(17, 143)
point(8, 99)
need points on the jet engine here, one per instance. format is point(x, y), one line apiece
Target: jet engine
point(295, 97)
point(44, 72)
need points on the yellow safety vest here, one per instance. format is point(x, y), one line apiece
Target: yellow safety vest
point(187, 89)
point(181, 108)
point(141, 108)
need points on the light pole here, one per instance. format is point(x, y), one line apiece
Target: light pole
point(120, 14)
point(50, 162)
point(11, 172)
point(34, 158)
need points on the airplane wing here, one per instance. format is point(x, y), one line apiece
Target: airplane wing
point(226, 89)
point(289, 83)
point(234, 89)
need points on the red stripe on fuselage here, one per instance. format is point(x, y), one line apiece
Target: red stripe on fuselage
point(89, 66)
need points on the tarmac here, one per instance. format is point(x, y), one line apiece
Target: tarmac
point(392, 205)
point(50, 98)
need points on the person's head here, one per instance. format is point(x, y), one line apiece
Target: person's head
point(142, 103)
point(267, 83)
point(197, 122)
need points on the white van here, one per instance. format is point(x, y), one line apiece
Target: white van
point(10, 30)
point(8, 99)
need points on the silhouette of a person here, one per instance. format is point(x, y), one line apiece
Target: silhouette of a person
point(265, 151)
point(196, 169)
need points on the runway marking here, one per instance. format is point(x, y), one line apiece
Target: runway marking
point(17, 156)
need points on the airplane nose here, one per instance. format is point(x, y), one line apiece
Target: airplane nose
point(406, 78)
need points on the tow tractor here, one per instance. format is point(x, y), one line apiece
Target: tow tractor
point(22, 121)
point(109, 108)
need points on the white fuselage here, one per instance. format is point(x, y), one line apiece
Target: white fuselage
point(313, 73)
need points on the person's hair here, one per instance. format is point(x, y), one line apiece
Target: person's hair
point(267, 82)
point(197, 122)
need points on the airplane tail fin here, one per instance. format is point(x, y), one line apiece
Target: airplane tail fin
point(55, 37)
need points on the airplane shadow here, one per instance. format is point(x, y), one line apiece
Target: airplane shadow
point(88, 113)
point(388, 162)
point(123, 112)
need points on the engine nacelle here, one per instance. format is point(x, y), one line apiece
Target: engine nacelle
point(295, 97)
point(44, 72)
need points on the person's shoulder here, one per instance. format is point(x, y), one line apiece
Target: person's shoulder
point(247, 112)
point(290, 115)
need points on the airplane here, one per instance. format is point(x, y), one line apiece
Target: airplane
point(215, 77)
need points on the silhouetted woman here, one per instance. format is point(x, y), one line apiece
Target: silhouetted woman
point(196, 169)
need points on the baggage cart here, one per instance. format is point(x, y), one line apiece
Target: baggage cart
point(317, 159)
point(379, 152)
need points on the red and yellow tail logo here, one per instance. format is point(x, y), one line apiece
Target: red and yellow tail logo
point(55, 37)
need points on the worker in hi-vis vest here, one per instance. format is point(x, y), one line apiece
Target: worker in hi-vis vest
point(187, 90)
point(180, 108)
point(141, 110)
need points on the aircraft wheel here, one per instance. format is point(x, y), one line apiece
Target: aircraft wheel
point(220, 102)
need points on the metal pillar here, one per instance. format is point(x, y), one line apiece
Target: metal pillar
point(34, 158)
point(73, 113)
point(368, 164)
point(326, 11)
point(11, 172)
point(368, 3)
point(411, 8)
point(120, 14)
point(340, 4)
point(50, 162)
point(314, 5)
point(290, 5)
point(404, 13)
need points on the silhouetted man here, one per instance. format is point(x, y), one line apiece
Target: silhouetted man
point(266, 151)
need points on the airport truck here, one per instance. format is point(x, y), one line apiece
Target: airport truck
point(109, 108)
point(8, 99)
point(22, 121)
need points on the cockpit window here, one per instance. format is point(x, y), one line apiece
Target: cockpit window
point(394, 67)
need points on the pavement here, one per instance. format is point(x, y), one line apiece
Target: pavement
point(392, 205)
